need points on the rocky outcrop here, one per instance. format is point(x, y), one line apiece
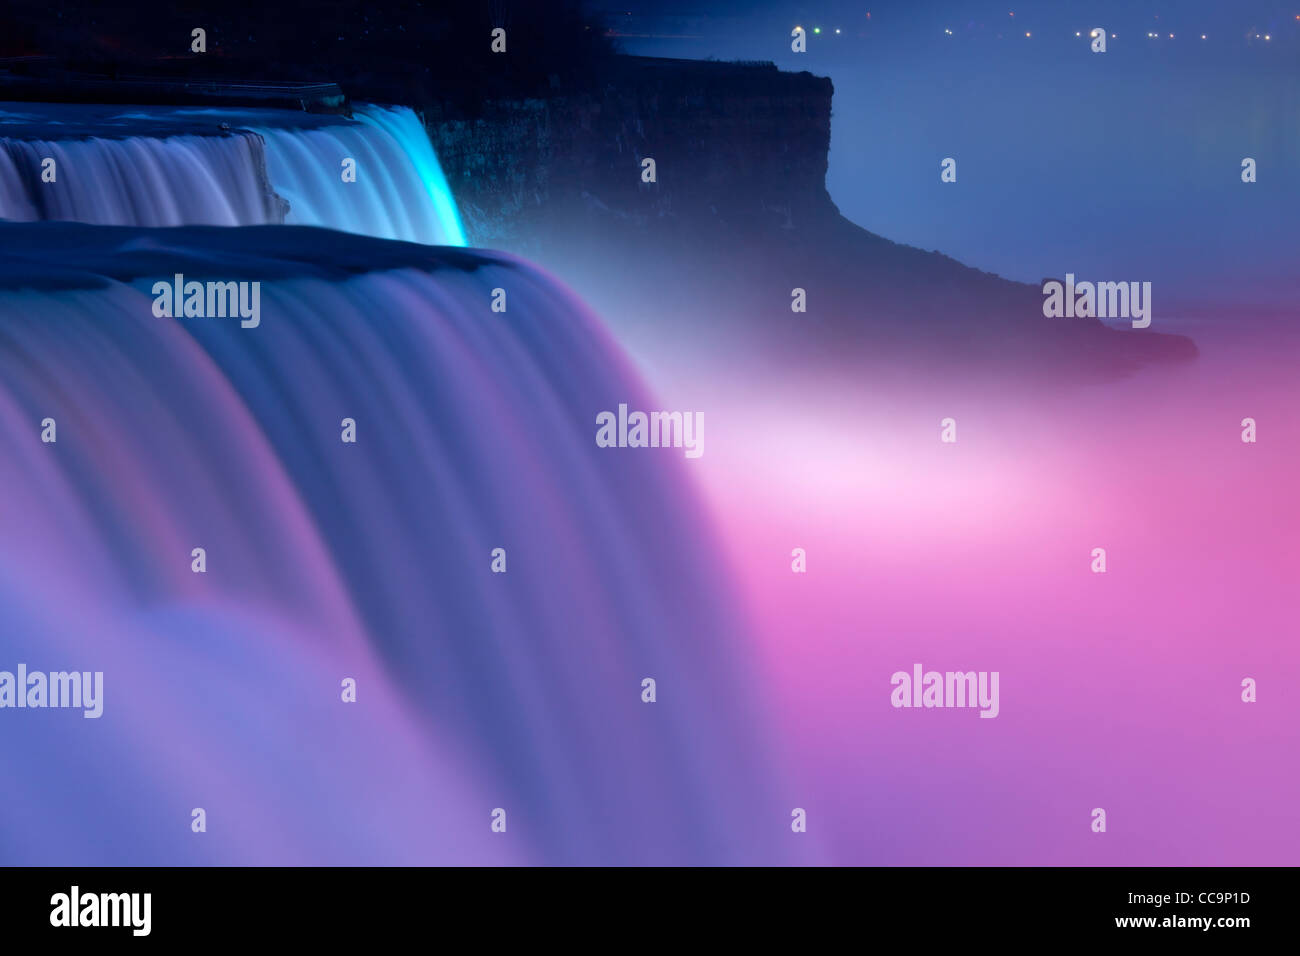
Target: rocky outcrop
point(742, 145)
point(738, 217)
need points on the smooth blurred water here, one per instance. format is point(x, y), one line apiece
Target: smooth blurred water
point(163, 166)
point(325, 560)
point(400, 191)
point(139, 181)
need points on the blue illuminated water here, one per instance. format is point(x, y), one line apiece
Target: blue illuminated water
point(164, 166)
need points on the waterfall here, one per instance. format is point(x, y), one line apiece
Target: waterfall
point(370, 560)
point(177, 181)
point(400, 191)
point(166, 166)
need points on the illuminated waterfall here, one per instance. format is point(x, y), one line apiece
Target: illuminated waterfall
point(400, 191)
point(164, 166)
point(181, 180)
point(328, 560)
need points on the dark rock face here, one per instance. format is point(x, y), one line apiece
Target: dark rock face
point(734, 144)
point(738, 218)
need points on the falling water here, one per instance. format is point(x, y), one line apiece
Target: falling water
point(163, 166)
point(400, 191)
point(214, 180)
point(370, 560)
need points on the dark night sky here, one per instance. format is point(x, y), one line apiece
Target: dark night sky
point(1123, 165)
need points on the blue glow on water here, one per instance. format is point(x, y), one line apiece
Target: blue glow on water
point(167, 166)
point(400, 191)
point(405, 127)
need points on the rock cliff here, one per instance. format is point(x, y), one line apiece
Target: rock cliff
point(737, 218)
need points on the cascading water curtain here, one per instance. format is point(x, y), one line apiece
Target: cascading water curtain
point(375, 174)
point(375, 483)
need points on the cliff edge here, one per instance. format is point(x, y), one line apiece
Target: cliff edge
point(737, 217)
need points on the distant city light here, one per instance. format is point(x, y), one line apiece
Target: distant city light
point(817, 29)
